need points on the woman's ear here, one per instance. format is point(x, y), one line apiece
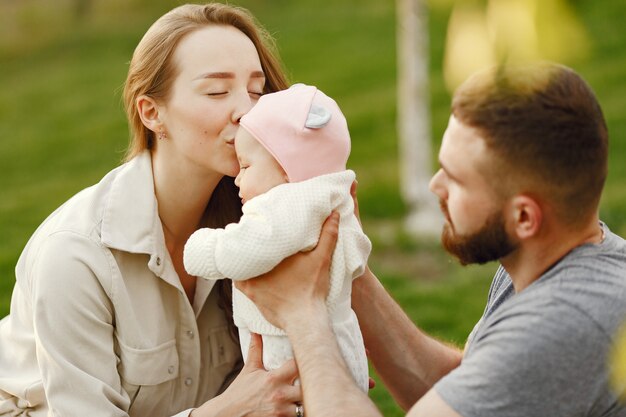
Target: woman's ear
point(527, 216)
point(148, 110)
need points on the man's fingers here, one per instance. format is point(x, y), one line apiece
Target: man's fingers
point(355, 200)
point(330, 232)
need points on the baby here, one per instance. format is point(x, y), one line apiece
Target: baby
point(292, 149)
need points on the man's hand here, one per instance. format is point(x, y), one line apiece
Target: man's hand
point(299, 284)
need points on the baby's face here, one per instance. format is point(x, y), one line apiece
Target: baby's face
point(259, 172)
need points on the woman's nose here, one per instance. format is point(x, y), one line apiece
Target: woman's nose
point(243, 104)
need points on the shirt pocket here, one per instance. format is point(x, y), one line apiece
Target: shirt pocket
point(144, 369)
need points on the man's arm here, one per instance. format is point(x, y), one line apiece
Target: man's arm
point(432, 405)
point(297, 306)
point(323, 372)
point(408, 361)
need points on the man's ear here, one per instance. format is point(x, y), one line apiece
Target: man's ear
point(527, 216)
point(148, 110)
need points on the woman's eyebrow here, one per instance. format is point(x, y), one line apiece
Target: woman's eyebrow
point(227, 75)
point(216, 75)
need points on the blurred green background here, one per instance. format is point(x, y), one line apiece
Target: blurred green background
point(62, 126)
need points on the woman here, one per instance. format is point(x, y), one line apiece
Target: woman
point(104, 319)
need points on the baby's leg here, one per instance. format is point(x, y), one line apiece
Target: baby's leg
point(350, 343)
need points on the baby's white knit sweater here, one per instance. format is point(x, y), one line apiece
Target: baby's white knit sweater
point(286, 220)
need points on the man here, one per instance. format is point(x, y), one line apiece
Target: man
point(523, 162)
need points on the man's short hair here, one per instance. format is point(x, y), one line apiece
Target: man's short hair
point(546, 130)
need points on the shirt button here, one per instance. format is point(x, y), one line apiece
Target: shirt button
point(190, 334)
point(158, 261)
point(188, 381)
point(171, 369)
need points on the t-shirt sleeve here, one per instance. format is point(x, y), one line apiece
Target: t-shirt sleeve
point(544, 359)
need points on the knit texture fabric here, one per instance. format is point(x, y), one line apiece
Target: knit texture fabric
point(286, 220)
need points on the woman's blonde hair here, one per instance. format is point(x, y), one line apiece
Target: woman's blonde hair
point(152, 70)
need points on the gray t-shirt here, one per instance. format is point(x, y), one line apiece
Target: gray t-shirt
point(543, 351)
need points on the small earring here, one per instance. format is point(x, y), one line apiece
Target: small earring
point(162, 135)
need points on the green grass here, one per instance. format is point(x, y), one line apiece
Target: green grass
point(62, 126)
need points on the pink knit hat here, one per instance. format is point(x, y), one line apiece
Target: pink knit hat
point(303, 129)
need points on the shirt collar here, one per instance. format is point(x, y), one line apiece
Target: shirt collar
point(130, 221)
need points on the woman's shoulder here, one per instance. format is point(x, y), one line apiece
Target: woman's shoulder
point(75, 234)
point(78, 219)
point(82, 212)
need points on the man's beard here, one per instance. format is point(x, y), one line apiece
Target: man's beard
point(490, 243)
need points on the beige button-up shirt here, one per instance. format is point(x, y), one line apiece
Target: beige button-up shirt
point(100, 324)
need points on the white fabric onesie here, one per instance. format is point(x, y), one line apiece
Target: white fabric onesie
point(285, 220)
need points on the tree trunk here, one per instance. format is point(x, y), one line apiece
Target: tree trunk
point(424, 218)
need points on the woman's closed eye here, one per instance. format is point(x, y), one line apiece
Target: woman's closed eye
point(253, 94)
